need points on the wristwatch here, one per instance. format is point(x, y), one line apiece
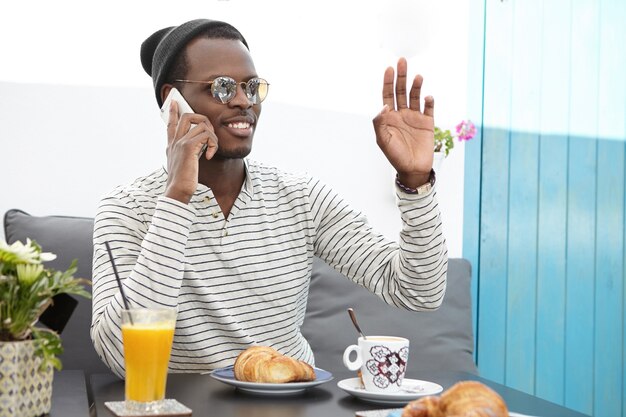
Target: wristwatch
point(422, 189)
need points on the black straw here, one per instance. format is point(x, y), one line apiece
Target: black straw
point(119, 281)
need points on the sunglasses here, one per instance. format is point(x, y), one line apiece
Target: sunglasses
point(224, 89)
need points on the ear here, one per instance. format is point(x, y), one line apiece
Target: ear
point(165, 90)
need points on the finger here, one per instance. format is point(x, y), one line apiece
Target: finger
point(172, 122)
point(196, 119)
point(204, 139)
point(212, 146)
point(193, 142)
point(388, 97)
point(401, 84)
point(416, 90)
point(200, 129)
point(429, 106)
point(189, 120)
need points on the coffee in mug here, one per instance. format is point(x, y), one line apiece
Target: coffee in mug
point(382, 361)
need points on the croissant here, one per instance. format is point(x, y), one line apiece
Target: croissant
point(266, 364)
point(463, 399)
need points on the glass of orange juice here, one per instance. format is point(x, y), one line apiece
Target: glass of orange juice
point(147, 335)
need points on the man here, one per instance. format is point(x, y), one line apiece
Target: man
point(230, 242)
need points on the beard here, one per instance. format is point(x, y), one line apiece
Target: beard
point(235, 153)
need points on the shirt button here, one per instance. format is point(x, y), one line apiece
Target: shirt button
point(207, 199)
point(225, 233)
point(215, 214)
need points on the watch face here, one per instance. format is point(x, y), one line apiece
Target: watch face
point(424, 188)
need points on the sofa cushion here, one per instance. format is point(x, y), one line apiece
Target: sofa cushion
point(69, 238)
point(439, 340)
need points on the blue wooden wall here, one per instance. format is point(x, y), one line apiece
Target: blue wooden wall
point(545, 198)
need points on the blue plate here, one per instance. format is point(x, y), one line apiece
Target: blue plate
point(227, 376)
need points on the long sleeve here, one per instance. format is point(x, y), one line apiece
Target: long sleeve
point(410, 273)
point(150, 256)
point(244, 279)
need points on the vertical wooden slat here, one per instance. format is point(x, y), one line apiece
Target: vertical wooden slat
point(609, 285)
point(523, 195)
point(581, 227)
point(473, 168)
point(493, 256)
point(580, 274)
point(555, 85)
point(551, 267)
point(494, 197)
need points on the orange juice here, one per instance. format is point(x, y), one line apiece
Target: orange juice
point(147, 348)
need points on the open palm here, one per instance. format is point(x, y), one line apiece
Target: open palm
point(404, 133)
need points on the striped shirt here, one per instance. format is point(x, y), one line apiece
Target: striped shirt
point(244, 280)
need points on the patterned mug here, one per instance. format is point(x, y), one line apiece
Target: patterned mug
point(382, 361)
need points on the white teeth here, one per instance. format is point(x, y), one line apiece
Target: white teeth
point(239, 125)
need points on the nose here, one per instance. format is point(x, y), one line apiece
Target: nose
point(241, 99)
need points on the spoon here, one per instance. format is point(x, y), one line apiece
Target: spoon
point(353, 318)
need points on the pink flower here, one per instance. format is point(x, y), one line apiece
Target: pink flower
point(465, 130)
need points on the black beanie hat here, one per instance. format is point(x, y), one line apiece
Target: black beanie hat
point(159, 50)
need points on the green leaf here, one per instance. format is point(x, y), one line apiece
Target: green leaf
point(22, 303)
point(48, 346)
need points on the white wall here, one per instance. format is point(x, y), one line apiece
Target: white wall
point(77, 113)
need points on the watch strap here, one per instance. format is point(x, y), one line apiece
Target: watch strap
point(422, 189)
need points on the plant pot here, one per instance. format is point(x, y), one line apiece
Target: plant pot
point(25, 391)
point(438, 158)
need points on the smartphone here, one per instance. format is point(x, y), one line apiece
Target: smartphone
point(183, 107)
point(56, 316)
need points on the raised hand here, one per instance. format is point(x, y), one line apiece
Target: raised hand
point(184, 144)
point(404, 133)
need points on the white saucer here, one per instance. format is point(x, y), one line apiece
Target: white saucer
point(410, 390)
point(227, 376)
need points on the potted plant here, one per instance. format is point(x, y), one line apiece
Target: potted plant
point(444, 140)
point(28, 353)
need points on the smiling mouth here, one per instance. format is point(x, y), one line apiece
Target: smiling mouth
point(239, 125)
point(241, 129)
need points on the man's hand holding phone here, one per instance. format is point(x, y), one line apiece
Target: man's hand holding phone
point(189, 136)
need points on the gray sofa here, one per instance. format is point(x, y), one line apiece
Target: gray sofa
point(442, 339)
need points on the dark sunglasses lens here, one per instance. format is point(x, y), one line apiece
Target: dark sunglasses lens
point(256, 90)
point(224, 89)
